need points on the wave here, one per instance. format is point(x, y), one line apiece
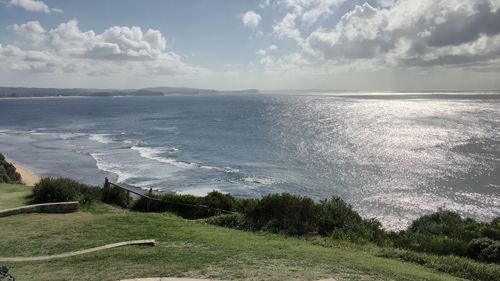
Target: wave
point(110, 167)
point(101, 138)
point(155, 154)
point(201, 191)
point(264, 181)
point(229, 170)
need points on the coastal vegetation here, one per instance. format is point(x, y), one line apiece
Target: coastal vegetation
point(186, 248)
point(442, 241)
point(441, 233)
point(50, 190)
point(8, 173)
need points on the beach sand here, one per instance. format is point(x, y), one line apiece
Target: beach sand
point(28, 177)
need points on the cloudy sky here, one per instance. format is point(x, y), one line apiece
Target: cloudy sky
point(373, 45)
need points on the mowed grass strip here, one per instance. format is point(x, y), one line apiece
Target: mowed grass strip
point(13, 195)
point(185, 249)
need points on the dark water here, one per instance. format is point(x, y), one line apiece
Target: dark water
point(391, 157)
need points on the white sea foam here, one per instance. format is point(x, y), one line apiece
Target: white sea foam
point(69, 136)
point(155, 154)
point(101, 138)
point(110, 167)
point(229, 170)
point(202, 191)
point(146, 184)
point(264, 181)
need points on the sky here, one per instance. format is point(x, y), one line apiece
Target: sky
point(370, 45)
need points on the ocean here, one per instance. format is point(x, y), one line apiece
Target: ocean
point(393, 157)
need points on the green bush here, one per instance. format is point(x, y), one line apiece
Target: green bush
point(423, 242)
point(447, 233)
point(116, 196)
point(50, 190)
point(447, 223)
point(286, 213)
point(187, 206)
point(218, 200)
point(335, 214)
point(458, 266)
point(235, 220)
point(8, 173)
point(485, 249)
point(492, 230)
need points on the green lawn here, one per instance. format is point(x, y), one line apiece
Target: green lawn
point(185, 249)
point(13, 195)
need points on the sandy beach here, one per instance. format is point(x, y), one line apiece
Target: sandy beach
point(28, 177)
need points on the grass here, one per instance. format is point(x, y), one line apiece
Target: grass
point(185, 249)
point(460, 266)
point(13, 195)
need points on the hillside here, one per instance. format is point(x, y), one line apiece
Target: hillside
point(185, 248)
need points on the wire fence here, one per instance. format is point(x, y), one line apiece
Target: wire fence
point(149, 199)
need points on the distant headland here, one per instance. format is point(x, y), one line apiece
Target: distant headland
point(13, 92)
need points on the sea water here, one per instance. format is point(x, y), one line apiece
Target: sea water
point(393, 157)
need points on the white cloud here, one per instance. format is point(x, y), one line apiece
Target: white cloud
point(251, 19)
point(264, 3)
point(66, 47)
point(33, 6)
point(115, 43)
point(263, 52)
point(291, 63)
point(13, 58)
point(310, 11)
point(414, 33)
point(287, 29)
point(32, 30)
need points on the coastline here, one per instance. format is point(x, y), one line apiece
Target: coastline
point(28, 176)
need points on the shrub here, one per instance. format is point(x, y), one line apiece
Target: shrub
point(447, 223)
point(492, 230)
point(285, 213)
point(187, 206)
point(446, 233)
point(424, 242)
point(236, 221)
point(8, 173)
point(218, 200)
point(116, 196)
point(50, 190)
point(335, 214)
point(458, 266)
point(485, 249)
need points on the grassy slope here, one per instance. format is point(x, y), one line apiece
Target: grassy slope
point(186, 248)
point(13, 195)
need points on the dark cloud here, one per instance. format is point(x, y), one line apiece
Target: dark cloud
point(459, 29)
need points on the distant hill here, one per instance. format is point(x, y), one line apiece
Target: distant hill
point(147, 92)
point(194, 91)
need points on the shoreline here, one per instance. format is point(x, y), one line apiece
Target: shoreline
point(28, 176)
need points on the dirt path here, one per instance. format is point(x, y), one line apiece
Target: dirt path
point(151, 242)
